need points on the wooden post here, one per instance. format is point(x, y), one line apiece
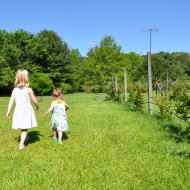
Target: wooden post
point(116, 83)
point(156, 87)
point(149, 84)
point(125, 81)
point(116, 86)
point(166, 84)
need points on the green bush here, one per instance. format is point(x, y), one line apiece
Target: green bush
point(182, 106)
point(164, 104)
point(41, 83)
point(136, 99)
point(141, 85)
point(66, 88)
point(7, 77)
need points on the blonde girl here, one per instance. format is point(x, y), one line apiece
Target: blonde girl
point(58, 117)
point(23, 117)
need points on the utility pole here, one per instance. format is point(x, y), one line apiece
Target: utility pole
point(151, 30)
point(150, 107)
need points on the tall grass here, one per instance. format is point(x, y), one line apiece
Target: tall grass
point(107, 147)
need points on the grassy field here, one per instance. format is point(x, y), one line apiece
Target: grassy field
point(107, 147)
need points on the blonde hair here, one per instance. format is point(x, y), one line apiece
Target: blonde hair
point(57, 93)
point(21, 78)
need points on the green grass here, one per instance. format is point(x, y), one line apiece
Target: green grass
point(107, 147)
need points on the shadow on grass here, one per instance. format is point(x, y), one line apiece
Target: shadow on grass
point(183, 154)
point(34, 137)
point(178, 132)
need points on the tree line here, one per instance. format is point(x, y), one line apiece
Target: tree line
point(51, 63)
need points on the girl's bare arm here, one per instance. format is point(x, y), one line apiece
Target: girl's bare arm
point(11, 101)
point(66, 107)
point(31, 93)
point(50, 109)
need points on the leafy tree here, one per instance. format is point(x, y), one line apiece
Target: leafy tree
point(7, 77)
point(57, 59)
point(41, 83)
point(136, 62)
point(103, 62)
point(180, 64)
point(76, 78)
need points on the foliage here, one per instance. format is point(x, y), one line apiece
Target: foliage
point(76, 76)
point(136, 62)
point(46, 52)
point(105, 61)
point(7, 77)
point(110, 89)
point(57, 60)
point(66, 88)
point(177, 65)
point(136, 99)
point(41, 83)
point(141, 85)
point(165, 103)
point(182, 105)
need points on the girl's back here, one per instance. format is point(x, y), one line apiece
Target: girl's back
point(21, 96)
point(23, 117)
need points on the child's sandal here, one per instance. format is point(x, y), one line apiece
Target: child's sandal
point(21, 147)
point(54, 138)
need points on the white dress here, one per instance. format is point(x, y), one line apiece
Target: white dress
point(24, 116)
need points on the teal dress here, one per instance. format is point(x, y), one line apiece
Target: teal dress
point(58, 117)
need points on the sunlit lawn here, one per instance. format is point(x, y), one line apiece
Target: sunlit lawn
point(107, 147)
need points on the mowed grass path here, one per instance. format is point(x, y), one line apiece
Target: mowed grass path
point(107, 147)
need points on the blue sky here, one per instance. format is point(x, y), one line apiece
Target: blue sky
point(80, 22)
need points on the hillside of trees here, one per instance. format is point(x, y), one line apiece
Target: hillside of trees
point(51, 63)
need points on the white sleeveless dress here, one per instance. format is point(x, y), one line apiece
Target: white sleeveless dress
point(24, 116)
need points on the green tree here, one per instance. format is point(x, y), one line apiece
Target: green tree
point(57, 59)
point(7, 77)
point(41, 83)
point(103, 62)
point(136, 62)
point(76, 76)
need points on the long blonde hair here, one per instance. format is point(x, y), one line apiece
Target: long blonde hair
point(21, 78)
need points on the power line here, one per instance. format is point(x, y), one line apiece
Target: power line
point(151, 30)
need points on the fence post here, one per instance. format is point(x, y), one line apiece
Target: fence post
point(149, 84)
point(116, 83)
point(156, 87)
point(125, 81)
point(166, 84)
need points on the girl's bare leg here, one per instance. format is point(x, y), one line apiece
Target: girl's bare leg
point(54, 133)
point(23, 137)
point(60, 135)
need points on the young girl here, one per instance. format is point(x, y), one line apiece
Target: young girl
point(23, 117)
point(58, 117)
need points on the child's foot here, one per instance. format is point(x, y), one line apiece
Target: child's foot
point(60, 142)
point(27, 138)
point(54, 138)
point(21, 147)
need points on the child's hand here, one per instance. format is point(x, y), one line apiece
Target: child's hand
point(45, 114)
point(38, 110)
point(8, 115)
